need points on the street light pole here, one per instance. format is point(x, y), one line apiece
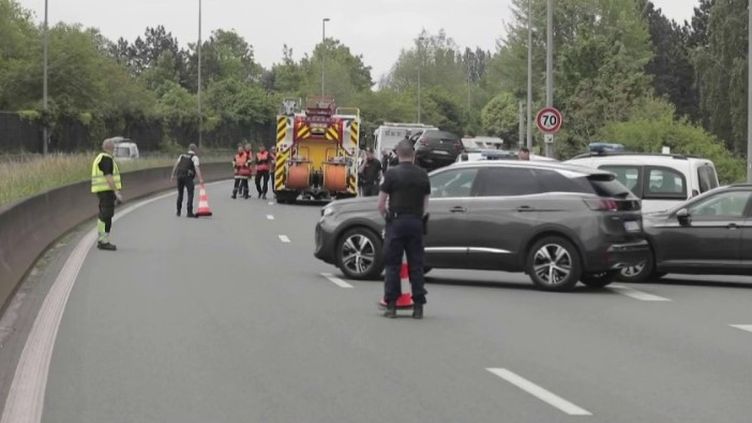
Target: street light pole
point(323, 52)
point(749, 94)
point(200, 115)
point(45, 130)
point(420, 65)
point(529, 74)
point(550, 67)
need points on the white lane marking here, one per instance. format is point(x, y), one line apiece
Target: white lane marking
point(748, 328)
point(637, 295)
point(542, 394)
point(337, 281)
point(271, 203)
point(284, 239)
point(25, 400)
point(269, 217)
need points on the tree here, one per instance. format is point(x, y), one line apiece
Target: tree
point(722, 73)
point(500, 117)
point(19, 47)
point(671, 67)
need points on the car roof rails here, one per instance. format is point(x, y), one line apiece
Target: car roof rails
point(630, 153)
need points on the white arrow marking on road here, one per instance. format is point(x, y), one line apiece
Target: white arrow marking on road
point(748, 328)
point(284, 239)
point(542, 394)
point(637, 295)
point(270, 217)
point(337, 281)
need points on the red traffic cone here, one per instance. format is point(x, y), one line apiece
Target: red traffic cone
point(405, 301)
point(203, 203)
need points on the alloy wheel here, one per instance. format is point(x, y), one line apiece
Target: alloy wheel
point(358, 254)
point(552, 264)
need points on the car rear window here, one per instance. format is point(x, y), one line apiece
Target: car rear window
point(604, 185)
point(707, 177)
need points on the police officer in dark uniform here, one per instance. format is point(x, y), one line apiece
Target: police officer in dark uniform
point(403, 201)
point(186, 168)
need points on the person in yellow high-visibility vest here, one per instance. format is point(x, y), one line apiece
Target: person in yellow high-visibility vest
point(106, 184)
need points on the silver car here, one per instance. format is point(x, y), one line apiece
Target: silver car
point(558, 223)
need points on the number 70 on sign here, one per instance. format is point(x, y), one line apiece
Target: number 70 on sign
point(549, 120)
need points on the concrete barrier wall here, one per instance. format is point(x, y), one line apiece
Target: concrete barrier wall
point(29, 227)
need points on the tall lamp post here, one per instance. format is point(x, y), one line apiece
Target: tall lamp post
point(550, 67)
point(529, 75)
point(420, 65)
point(200, 115)
point(45, 130)
point(323, 53)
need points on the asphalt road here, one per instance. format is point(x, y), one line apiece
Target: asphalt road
point(223, 320)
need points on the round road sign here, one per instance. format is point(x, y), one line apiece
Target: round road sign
point(549, 120)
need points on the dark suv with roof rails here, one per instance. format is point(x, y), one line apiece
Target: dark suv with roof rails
point(435, 149)
point(558, 223)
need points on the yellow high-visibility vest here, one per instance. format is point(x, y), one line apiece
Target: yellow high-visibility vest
point(98, 180)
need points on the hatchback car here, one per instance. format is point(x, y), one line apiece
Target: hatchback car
point(558, 223)
point(710, 234)
point(435, 149)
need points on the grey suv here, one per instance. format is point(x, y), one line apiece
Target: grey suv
point(558, 223)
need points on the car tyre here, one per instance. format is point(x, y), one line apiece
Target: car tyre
point(640, 273)
point(599, 280)
point(360, 254)
point(553, 264)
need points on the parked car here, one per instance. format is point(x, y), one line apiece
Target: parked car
point(435, 149)
point(709, 234)
point(473, 155)
point(662, 181)
point(125, 149)
point(558, 223)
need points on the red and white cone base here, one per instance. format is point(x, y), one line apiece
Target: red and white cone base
point(405, 301)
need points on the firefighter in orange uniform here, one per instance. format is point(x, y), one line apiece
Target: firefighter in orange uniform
point(263, 165)
point(242, 173)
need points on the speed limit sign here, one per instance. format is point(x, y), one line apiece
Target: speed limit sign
point(549, 120)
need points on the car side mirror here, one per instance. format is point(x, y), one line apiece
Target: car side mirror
point(683, 217)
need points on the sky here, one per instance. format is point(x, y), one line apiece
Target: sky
point(377, 29)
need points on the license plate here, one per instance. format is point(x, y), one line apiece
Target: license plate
point(442, 152)
point(632, 226)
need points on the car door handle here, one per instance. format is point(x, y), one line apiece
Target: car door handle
point(523, 209)
point(732, 226)
point(458, 209)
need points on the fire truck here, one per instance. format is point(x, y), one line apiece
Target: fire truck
point(317, 150)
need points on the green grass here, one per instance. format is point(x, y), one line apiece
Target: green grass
point(25, 176)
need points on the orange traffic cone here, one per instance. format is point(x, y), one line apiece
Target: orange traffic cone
point(203, 203)
point(405, 301)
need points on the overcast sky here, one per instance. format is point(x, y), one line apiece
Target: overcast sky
point(377, 29)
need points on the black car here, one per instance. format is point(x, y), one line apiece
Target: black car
point(435, 149)
point(709, 234)
point(558, 223)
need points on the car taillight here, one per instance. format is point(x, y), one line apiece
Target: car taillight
point(602, 204)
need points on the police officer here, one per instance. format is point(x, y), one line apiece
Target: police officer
point(186, 168)
point(106, 184)
point(406, 189)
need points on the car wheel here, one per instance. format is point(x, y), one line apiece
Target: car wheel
point(638, 273)
point(359, 254)
point(599, 280)
point(553, 264)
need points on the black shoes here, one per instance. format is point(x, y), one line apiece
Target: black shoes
point(234, 195)
point(106, 246)
point(391, 310)
point(418, 311)
point(191, 215)
point(178, 213)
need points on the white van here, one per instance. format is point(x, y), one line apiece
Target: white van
point(660, 180)
point(125, 149)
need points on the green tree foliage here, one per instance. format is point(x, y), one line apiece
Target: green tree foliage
point(653, 125)
point(18, 48)
point(500, 117)
point(721, 66)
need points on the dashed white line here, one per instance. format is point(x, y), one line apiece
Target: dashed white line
point(337, 281)
point(269, 217)
point(748, 328)
point(542, 394)
point(637, 295)
point(284, 239)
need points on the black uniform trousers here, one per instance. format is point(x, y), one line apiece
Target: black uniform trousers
point(106, 208)
point(262, 176)
point(370, 190)
point(404, 234)
point(185, 183)
point(241, 185)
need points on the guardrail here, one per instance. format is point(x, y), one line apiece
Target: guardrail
point(30, 226)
